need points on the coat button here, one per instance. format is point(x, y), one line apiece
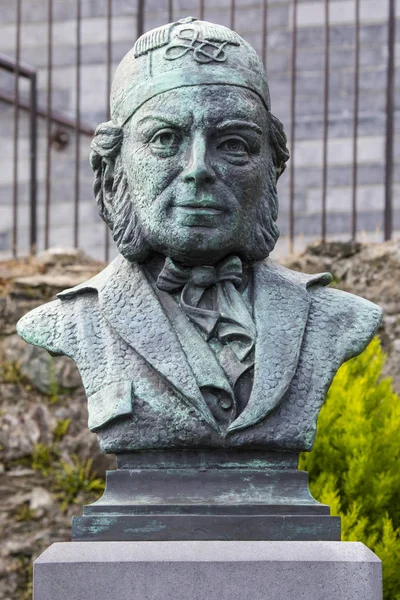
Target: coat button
point(225, 403)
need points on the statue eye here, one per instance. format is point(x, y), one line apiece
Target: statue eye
point(235, 146)
point(165, 140)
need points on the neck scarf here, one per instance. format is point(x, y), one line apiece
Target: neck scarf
point(226, 316)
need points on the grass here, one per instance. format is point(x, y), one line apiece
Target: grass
point(61, 429)
point(76, 478)
point(25, 572)
point(24, 513)
point(10, 372)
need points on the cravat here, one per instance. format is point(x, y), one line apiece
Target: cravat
point(228, 320)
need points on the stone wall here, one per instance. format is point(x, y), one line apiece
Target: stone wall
point(309, 105)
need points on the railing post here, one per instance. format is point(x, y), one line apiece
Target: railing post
point(388, 216)
point(140, 18)
point(33, 164)
point(355, 121)
point(77, 120)
point(16, 128)
point(47, 201)
point(326, 121)
point(293, 70)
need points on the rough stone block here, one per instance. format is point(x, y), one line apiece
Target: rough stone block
point(374, 101)
point(375, 32)
point(36, 10)
point(338, 224)
point(122, 7)
point(312, 13)
point(279, 40)
point(248, 19)
point(191, 5)
point(338, 199)
point(338, 176)
point(208, 571)
point(277, 62)
point(376, 79)
point(278, 16)
point(340, 151)
point(5, 241)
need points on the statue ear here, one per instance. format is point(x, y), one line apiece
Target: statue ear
point(278, 144)
point(105, 146)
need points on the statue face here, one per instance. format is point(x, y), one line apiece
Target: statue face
point(196, 162)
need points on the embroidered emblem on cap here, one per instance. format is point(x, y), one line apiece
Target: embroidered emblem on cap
point(207, 41)
point(204, 51)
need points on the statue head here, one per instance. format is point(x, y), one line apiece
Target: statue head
point(188, 165)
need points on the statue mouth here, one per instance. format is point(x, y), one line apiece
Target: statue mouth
point(199, 206)
point(200, 209)
point(198, 214)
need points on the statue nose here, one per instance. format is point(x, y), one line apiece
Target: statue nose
point(198, 169)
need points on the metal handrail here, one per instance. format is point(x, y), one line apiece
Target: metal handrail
point(23, 70)
point(27, 71)
point(56, 116)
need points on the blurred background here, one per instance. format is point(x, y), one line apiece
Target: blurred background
point(333, 74)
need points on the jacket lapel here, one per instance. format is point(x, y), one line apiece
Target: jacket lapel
point(281, 305)
point(130, 305)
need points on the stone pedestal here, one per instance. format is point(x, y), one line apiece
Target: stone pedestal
point(206, 495)
point(208, 570)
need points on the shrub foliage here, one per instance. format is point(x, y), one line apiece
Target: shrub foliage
point(354, 465)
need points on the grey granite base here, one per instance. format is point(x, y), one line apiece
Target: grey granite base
point(208, 570)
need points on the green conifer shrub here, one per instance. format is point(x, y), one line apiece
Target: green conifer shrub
point(354, 465)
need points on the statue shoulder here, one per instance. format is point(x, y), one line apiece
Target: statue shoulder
point(43, 326)
point(347, 321)
point(57, 325)
point(353, 321)
point(296, 278)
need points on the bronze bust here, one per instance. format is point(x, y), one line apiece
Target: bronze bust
point(193, 339)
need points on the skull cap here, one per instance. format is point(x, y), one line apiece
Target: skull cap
point(181, 54)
